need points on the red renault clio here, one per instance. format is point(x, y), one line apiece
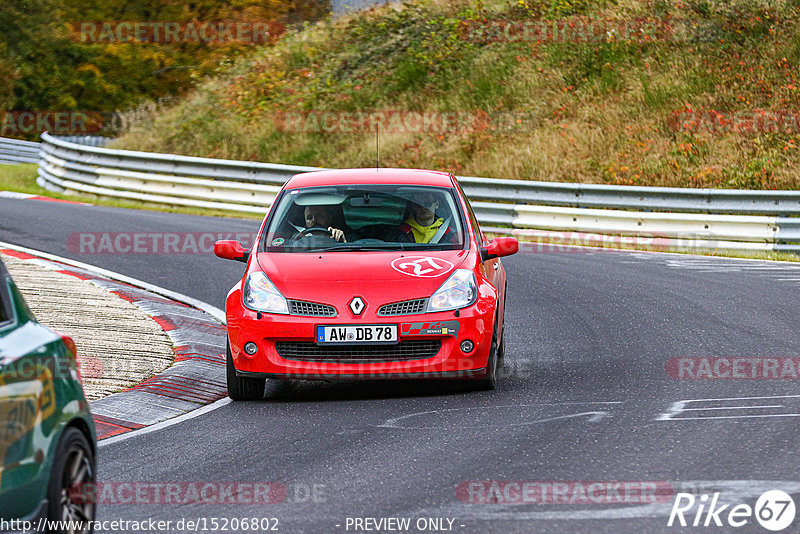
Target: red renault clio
point(367, 273)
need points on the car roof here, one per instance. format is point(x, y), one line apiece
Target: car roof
point(370, 176)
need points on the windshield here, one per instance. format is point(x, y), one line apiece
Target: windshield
point(365, 217)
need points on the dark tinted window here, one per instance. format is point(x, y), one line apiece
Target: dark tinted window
point(5, 298)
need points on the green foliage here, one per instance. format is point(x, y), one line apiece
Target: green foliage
point(46, 63)
point(755, 174)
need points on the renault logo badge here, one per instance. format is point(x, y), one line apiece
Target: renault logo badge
point(357, 305)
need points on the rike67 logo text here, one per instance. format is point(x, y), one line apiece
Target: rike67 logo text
point(774, 510)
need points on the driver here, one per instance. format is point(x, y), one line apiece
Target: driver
point(322, 217)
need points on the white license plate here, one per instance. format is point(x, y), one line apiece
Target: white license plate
point(368, 333)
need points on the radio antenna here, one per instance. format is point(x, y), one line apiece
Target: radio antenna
point(377, 149)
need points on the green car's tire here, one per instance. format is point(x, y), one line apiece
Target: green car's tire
point(70, 492)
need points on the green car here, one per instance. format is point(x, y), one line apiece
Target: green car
point(47, 436)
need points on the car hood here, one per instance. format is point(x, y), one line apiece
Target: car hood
point(378, 277)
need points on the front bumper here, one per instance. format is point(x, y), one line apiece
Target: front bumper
point(473, 323)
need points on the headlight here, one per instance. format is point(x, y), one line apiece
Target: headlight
point(459, 291)
point(261, 295)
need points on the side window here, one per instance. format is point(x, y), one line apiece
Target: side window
point(475, 225)
point(5, 300)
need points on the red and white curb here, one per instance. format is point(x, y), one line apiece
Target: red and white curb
point(197, 332)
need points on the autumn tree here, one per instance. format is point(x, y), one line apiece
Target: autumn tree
point(46, 64)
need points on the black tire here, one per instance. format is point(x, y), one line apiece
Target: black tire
point(501, 351)
point(501, 347)
point(72, 479)
point(487, 379)
point(242, 388)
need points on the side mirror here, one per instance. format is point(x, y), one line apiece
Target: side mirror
point(499, 247)
point(231, 250)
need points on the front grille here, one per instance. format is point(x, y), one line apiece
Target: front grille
point(313, 309)
point(408, 307)
point(311, 352)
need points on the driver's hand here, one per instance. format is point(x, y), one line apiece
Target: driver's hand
point(337, 234)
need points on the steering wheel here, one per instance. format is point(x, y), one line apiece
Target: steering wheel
point(311, 232)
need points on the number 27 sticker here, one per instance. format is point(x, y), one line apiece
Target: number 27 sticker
point(422, 266)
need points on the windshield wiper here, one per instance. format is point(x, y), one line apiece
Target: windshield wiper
point(393, 246)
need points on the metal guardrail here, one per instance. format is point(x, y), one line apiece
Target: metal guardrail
point(89, 140)
point(162, 178)
point(15, 151)
point(689, 219)
point(731, 201)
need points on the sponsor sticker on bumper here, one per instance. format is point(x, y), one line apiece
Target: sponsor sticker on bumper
point(430, 328)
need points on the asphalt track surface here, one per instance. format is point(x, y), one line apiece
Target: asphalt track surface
point(582, 398)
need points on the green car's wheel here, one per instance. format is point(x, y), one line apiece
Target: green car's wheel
point(72, 481)
point(242, 388)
